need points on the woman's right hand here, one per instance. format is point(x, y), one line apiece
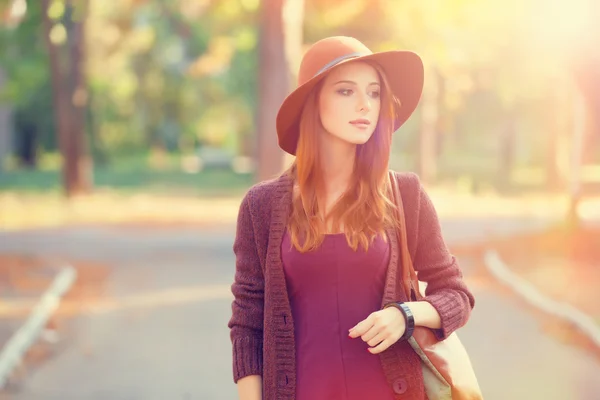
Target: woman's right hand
point(250, 387)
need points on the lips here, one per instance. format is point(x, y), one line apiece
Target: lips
point(361, 121)
point(361, 124)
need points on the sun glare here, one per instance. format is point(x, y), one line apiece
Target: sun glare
point(562, 25)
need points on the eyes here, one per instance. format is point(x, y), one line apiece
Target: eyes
point(349, 92)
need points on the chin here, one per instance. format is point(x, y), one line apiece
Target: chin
point(359, 139)
point(354, 138)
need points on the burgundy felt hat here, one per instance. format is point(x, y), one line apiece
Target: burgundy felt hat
point(403, 70)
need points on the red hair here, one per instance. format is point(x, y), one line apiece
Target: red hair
point(365, 210)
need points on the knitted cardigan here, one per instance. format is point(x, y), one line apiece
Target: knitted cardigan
point(261, 325)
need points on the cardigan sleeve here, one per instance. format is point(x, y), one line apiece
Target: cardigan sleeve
point(246, 323)
point(446, 290)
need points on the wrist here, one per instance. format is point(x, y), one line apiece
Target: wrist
point(409, 318)
point(425, 314)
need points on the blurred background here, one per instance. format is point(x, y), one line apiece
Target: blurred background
point(130, 130)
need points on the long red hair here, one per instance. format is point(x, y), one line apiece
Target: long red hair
point(365, 210)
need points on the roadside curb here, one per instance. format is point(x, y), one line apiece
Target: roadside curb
point(581, 321)
point(12, 354)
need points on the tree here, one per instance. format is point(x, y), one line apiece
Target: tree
point(80, 165)
point(70, 94)
point(273, 86)
point(4, 124)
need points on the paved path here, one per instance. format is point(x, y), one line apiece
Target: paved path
point(169, 339)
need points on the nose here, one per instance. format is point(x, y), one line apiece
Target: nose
point(363, 103)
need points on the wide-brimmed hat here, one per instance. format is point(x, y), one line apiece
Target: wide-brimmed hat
point(403, 70)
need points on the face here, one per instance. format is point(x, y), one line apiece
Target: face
point(349, 102)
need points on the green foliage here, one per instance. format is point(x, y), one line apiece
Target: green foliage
point(135, 177)
point(165, 72)
point(24, 60)
point(176, 74)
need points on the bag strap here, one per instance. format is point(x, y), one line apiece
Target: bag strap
point(410, 281)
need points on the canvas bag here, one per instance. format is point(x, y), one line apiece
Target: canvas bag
point(447, 370)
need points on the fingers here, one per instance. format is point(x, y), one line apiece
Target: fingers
point(378, 331)
point(361, 328)
point(375, 339)
point(374, 334)
point(369, 327)
point(381, 347)
point(370, 334)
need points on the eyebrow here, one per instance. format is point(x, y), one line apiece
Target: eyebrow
point(354, 83)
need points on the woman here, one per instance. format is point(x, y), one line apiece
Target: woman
point(316, 248)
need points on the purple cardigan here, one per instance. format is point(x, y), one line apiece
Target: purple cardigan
point(261, 325)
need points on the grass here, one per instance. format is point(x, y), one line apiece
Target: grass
point(143, 189)
point(127, 194)
point(210, 182)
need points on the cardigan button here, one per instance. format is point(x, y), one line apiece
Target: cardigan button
point(400, 386)
point(282, 379)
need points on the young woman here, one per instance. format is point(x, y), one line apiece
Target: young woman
point(316, 248)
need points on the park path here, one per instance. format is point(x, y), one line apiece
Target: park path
point(167, 336)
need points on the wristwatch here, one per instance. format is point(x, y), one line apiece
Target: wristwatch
point(408, 317)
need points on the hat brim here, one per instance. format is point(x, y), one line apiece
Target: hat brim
point(404, 72)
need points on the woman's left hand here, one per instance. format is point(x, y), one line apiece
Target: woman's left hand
point(382, 329)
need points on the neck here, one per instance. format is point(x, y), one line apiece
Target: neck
point(337, 162)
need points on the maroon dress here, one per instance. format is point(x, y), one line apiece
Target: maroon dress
point(331, 290)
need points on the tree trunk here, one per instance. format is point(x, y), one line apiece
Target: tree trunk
point(507, 150)
point(58, 95)
point(80, 164)
point(427, 158)
point(274, 84)
point(5, 126)
point(578, 137)
point(556, 132)
point(442, 123)
point(293, 26)
point(69, 99)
